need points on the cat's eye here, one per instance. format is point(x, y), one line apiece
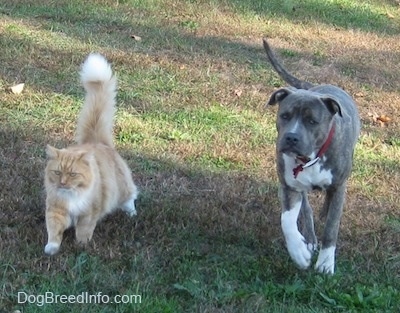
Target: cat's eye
point(58, 173)
point(72, 174)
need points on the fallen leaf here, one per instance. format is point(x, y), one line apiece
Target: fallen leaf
point(17, 89)
point(383, 119)
point(136, 37)
point(238, 92)
point(389, 15)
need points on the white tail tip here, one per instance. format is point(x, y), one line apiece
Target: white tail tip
point(95, 68)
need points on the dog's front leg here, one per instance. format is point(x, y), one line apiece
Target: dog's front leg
point(334, 207)
point(299, 250)
point(307, 223)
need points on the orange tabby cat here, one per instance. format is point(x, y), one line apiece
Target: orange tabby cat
point(89, 180)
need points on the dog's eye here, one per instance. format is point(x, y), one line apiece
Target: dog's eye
point(285, 116)
point(311, 121)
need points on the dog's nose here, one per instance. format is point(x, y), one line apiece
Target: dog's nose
point(292, 139)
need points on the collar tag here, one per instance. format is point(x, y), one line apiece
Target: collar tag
point(310, 163)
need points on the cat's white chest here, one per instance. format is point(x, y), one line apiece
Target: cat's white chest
point(77, 204)
point(308, 178)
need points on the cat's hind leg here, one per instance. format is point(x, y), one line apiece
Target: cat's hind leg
point(84, 228)
point(129, 205)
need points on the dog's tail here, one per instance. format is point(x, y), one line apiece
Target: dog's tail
point(95, 124)
point(286, 76)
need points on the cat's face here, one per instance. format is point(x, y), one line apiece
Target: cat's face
point(68, 170)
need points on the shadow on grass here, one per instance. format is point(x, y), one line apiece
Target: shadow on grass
point(201, 236)
point(185, 216)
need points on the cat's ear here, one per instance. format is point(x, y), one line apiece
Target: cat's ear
point(86, 156)
point(52, 153)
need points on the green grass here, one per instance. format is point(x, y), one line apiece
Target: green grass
point(192, 124)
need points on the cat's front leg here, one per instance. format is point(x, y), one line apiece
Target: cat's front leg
point(57, 221)
point(84, 228)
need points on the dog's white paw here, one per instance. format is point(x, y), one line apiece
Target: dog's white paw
point(312, 247)
point(326, 261)
point(51, 248)
point(299, 250)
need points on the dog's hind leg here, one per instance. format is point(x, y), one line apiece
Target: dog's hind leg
point(334, 201)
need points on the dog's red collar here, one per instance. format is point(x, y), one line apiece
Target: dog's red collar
point(321, 151)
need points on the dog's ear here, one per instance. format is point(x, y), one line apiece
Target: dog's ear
point(279, 95)
point(332, 104)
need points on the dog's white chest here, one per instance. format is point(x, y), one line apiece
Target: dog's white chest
point(308, 178)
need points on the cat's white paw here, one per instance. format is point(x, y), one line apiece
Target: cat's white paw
point(51, 248)
point(129, 207)
point(326, 261)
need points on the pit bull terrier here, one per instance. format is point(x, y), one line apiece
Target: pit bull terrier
point(318, 127)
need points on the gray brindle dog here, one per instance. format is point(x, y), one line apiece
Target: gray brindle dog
point(318, 127)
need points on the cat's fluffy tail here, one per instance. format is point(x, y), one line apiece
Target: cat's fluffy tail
point(95, 124)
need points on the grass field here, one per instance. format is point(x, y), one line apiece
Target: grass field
point(191, 122)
